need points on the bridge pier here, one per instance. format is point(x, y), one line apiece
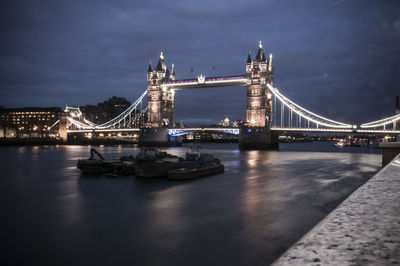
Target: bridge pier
point(157, 137)
point(258, 138)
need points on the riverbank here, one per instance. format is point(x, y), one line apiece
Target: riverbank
point(29, 141)
point(53, 141)
point(364, 229)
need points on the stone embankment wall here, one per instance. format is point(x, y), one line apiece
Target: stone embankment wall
point(363, 230)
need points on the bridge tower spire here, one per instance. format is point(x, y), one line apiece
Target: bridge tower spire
point(249, 58)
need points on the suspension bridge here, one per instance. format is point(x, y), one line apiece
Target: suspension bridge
point(268, 111)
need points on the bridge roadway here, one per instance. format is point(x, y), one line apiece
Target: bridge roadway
point(235, 130)
point(111, 130)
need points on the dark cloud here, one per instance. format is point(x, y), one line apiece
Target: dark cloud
point(336, 58)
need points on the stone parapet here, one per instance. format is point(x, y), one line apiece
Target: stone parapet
point(389, 151)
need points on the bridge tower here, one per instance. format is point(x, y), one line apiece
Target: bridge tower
point(256, 133)
point(259, 99)
point(161, 106)
point(160, 100)
point(63, 126)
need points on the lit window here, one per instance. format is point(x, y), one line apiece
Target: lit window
point(255, 103)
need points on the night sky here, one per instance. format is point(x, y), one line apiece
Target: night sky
point(337, 58)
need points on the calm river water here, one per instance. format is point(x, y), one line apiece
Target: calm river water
point(262, 204)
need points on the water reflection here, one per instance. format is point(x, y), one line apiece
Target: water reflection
point(252, 158)
point(21, 150)
point(247, 216)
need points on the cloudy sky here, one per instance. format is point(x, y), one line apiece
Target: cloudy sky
point(338, 58)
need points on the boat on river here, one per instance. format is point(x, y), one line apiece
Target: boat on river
point(99, 165)
point(93, 166)
point(348, 143)
point(152, 163)
point(194, 165)
point(341, 143)
point(185, 173)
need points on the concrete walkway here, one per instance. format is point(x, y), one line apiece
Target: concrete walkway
point(363, 230)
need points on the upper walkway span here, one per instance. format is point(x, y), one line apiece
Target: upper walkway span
point(204, 82)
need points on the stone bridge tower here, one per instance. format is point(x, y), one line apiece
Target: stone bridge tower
point(256, 133)
point(260, 71)
point(160, 112)
point(160, 99)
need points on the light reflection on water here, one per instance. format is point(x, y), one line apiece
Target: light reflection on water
point(249, 215)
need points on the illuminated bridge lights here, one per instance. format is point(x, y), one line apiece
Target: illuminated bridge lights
point(207, 82)
point(293, 129)
point(185, 131)
point(110, 130)
point(124, 114)
point(377, 131)
point(306, 114)
point(382, 122)
point(122, 122)
point(113, 123)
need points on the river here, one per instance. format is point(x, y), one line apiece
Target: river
point(262, 204)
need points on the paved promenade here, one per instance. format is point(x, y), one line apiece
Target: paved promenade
point(363, 230)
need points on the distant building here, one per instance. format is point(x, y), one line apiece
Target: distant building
point(237, 123)
point(106, 110)
point(28, 121)
point(225, 122)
